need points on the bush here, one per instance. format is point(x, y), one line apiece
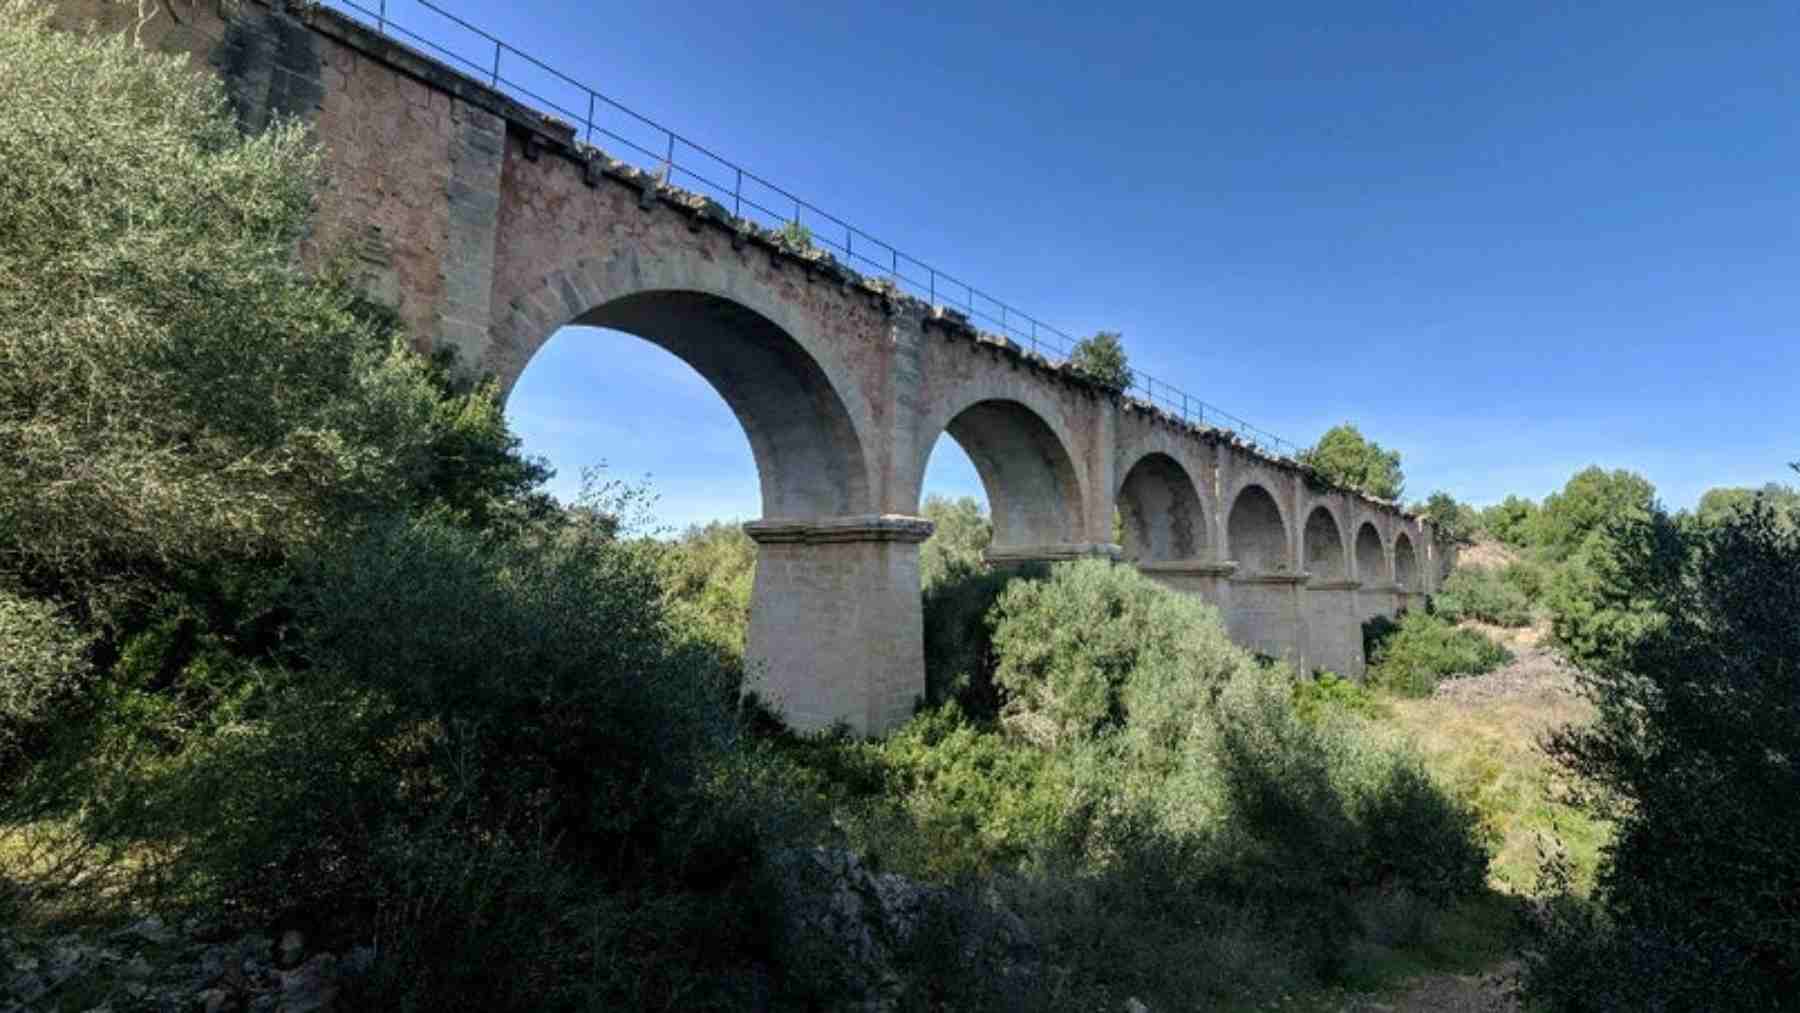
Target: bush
point(707, 577)
point(1530, 578)
point(1452, 523)
point(959, 640)
point(1318, 698)
point(1589, 625)
point(1512, 521)
point(43, 669)
point(960, 534)
point(1098, 641)
point(1411, 656)
point(1101, 358)
point(1693, 755)
point(1478, 593)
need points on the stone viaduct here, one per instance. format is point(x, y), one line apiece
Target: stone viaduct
point(488, 229)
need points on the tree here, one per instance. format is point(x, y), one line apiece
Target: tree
point(1512, 521)
point(961, 532)
point(1693, 757)
point(1718, 505)
point(1343, 457)
point(1592, 499)
point(1454, 523)
point(1101, 358)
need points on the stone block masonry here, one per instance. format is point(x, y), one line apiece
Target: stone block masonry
point(488, 229)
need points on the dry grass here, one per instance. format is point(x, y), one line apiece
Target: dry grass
point(1480, 736)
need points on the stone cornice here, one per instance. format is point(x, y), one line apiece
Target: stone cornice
point(1271, 578)
point(1052, 553)
point(1188, 568)
point(1334, 585)
point(855, 528)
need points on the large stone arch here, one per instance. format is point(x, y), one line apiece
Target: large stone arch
point(803, 416)
point(1256, 532)
point(1030, 477)
point(1162, 511)
point(1322, 545)
point(1406, 563)
point(1371, 557)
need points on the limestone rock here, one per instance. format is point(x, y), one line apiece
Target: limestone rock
point(839, 911)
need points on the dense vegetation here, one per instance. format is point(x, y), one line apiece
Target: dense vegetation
point(292, 639)
point(289, 636)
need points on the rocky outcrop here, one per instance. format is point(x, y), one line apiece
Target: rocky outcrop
point(151, 966)
point(878, 935)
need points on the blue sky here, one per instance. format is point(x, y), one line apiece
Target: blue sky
point(1508, 240)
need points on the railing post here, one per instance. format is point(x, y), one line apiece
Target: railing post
point(737, 196)
point(381, 22)
point(590, 118)
point(495, 83)
point(933, 272)
point(669, 161)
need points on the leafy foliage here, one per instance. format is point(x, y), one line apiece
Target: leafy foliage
point(1411, 656)
point(1473, 592)
point(43, 669)
point(1723, 504)
point(1317, 698)
point(707, 578)
point(1592, 499)
point(1453, 523)
point(1079, 649)
point(1694, 755)
point(1343, 457)
point(1513, 521)
point(1101, 358)
point(795, 236)
point(961, 533)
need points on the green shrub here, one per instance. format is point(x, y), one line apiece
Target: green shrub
point(1411, 656)
point(1512, 520)
point(1096, 641)
point(1474, 592)
point(1529, 577)
point(1328, 693)
point(1101, 358)
point(959, 641)
point(1693, 756)
point(960, 534)
point(44, 668)
point(708, 576)
point(1591, 626)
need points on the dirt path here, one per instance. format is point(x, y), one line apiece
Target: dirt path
point(1458, 993)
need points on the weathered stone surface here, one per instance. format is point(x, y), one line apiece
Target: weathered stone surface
point(488, 228)
point(837, 910)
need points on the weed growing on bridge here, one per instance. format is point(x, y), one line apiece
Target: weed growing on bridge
point(1101, 358)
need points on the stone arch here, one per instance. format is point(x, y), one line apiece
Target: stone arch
point(1161, 511)
point(1256, 532)
point(1406, 563)
point(1371, 559)
point(798, 410)
point(1034, 495)
point(1322, 542)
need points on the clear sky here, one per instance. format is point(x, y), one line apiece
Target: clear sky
point(1508, 240)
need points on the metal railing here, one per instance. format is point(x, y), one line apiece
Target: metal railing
point(688, 165)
